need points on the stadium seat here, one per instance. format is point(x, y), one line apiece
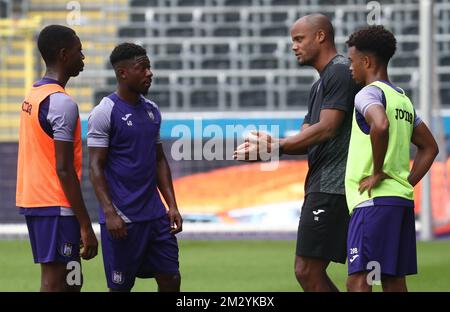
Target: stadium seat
point(204, 98)
point(216, 63)
point(227, 31)
point(252, 99)
point(143, 3)
point(133, 32)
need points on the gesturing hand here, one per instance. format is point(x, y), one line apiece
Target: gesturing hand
point(256, 144)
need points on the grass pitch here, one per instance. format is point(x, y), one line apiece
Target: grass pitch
point(238, 265)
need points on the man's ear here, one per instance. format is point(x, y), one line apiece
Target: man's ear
point(321, 36)
point(367, 61)
point(62, 55)
point(121, 73)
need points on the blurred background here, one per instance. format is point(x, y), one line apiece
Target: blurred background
point(216, 64)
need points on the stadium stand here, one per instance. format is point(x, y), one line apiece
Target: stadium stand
point(207, 55)
point(238, 43)
point(246, 46)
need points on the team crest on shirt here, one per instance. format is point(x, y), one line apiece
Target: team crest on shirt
point(67, 249)
point(150, 114)
point(117, 277)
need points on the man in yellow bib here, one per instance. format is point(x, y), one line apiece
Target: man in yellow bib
point(378, 182)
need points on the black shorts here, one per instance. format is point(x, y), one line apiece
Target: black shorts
point(323, 227)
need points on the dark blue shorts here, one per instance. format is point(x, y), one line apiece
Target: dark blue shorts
point(54, 239)
point(385, 234)
point(148, 250)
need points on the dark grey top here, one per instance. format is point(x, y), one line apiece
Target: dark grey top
point(327, 161)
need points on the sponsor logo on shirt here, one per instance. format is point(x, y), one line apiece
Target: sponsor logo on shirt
point(26, 107)
point(125, 118)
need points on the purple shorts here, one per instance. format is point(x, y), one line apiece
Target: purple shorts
point(54, 239)
point(149, 249)
point(385, 234)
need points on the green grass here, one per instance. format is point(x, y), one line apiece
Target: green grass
point(224, 266)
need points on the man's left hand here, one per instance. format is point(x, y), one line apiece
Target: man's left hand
point(368, 183)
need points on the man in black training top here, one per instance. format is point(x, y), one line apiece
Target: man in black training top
point(324, 136)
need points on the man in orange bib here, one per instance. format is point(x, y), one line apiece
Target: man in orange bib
point(49, 166)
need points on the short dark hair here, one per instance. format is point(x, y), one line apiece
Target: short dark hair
point(52, 39)
point(126, 51)
point(375, 39)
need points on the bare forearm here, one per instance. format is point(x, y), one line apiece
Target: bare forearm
point(422, 163)
point(71, 187)
point(165, 184)
point(380, 140)
point(311, 135)
point(101, 189)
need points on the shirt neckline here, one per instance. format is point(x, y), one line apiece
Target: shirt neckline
point(132, 106)
point(397, 89)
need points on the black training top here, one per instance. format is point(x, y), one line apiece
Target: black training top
point(327, 161)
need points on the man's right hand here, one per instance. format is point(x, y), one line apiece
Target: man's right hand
point(256, 144)
point(89, 242)
point(116, 227)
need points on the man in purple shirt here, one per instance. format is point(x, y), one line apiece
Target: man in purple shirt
point(127, 167)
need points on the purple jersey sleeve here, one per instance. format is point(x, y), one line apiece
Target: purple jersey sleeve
point(99, 124)
point(372, 95)
point(62, 117)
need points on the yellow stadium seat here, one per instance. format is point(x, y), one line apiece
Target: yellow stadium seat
point(12, 91)
point(11, 74)
point(9, 122)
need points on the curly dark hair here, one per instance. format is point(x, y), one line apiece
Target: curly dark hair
point(375, 39)
point(126, 51)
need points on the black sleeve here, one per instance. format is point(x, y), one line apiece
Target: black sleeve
point(339, 89)
point(307, 119)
